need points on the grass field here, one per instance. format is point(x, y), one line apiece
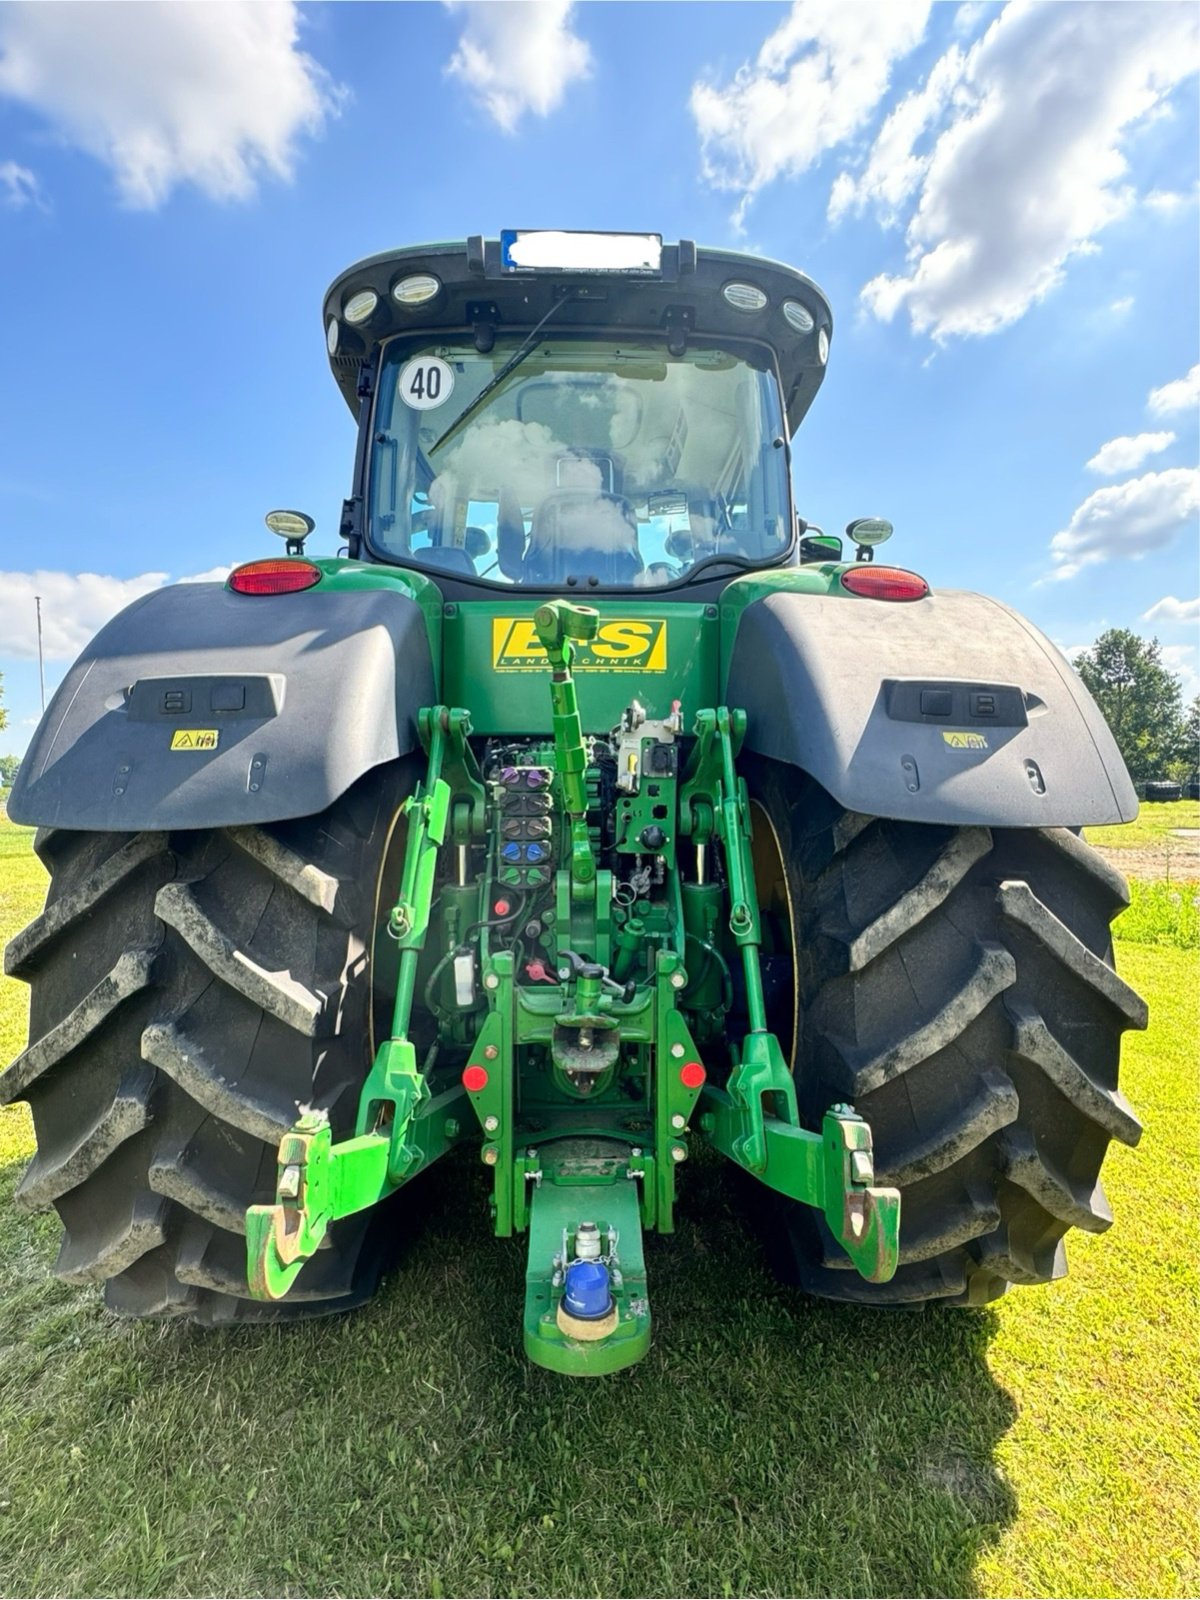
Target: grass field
point(768, 1445)
point(1156, 821)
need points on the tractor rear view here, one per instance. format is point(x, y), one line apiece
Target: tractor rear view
point(590, 807)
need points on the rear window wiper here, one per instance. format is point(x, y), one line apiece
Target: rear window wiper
point(525, 348)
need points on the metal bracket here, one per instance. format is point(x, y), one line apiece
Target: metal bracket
point(400, 1126)
point(755, 1119)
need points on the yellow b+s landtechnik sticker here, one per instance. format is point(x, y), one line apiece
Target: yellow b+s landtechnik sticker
point(965, 741)
point(195, 738)
point(622, 644)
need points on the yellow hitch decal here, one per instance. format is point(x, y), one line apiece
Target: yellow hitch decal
point(965, 741)
point(621, 644)
point(195, 738)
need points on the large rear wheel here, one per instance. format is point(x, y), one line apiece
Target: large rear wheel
point(189, 992)
point(957, 985)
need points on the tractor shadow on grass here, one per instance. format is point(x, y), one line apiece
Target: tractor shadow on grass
point(768, 1445)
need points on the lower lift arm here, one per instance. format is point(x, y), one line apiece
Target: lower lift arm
point(401, 1126)
point(754, 1119)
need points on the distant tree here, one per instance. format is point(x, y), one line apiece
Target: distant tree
point(1188, 761)
point(3, 713)
point(9, 766)
point(1139, 698)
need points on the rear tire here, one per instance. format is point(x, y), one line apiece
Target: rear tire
point(957, 986)
point(189, 992)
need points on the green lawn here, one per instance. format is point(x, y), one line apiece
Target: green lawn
point(768, 1445)
point(1155, 823)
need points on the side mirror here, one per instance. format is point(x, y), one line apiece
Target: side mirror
point(820, 547)
point(866, 533)
point(293, 526)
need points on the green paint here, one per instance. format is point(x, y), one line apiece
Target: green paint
point(656, 652)
point(357, 577)
point(821, 578)
point(584, 1181)
point(558, 624)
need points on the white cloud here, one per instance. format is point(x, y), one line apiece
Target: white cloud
point(188, 92)
point(1127, 519)
point(895, 169)
point(815, 82)
point(18, 186)
point(517, 56)
point(1181, 660)
point(1168, 202)
point(969, 15)
point(1181, 395)
point(1123, 306)
point(75, 606)
point(1128, 452)
point(1027, 165)
point(1169, 609)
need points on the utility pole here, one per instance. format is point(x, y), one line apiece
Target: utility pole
point(37, 599)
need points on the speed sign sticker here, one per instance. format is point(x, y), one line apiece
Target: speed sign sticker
point(425, 382)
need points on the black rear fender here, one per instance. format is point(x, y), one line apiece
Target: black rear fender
point(197, 707)
point(952, 709)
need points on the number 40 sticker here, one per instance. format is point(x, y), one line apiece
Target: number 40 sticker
point(425, 382)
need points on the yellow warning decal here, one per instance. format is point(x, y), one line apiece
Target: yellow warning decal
point(965, 741)
point(195, 738)
point(625, 644)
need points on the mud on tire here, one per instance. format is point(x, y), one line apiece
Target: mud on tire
point(188, 992)
point(957, 985)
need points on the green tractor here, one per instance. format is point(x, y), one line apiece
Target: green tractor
point(589, 808)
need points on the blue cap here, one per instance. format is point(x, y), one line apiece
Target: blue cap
point(587, 1295)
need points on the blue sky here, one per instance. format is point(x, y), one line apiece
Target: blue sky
point(1000, 201)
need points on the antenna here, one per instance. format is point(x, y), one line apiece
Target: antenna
point(37, 600)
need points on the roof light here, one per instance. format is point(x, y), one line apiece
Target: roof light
point(885, 583)
point(798, 316)
point(822, 347)
point(418, 290)
point(331, 336)
point(277, 576)
point(475, 1077)
point(744, 296)
point(360, 307)
point(692, 1074)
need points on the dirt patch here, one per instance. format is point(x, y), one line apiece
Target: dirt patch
point(1175, 857)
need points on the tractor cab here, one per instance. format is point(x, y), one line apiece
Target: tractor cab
point(575, 411)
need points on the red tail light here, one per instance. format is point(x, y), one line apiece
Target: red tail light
point(885, 583)
point(277, 576)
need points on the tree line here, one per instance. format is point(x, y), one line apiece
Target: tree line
point(1142, 702)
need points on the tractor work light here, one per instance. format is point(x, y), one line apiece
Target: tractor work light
point(885, 583)
point(331, 336)
point(280, 575)
point(744, 296)
point(798, 316)
point(360, 307)
point(417, 290)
